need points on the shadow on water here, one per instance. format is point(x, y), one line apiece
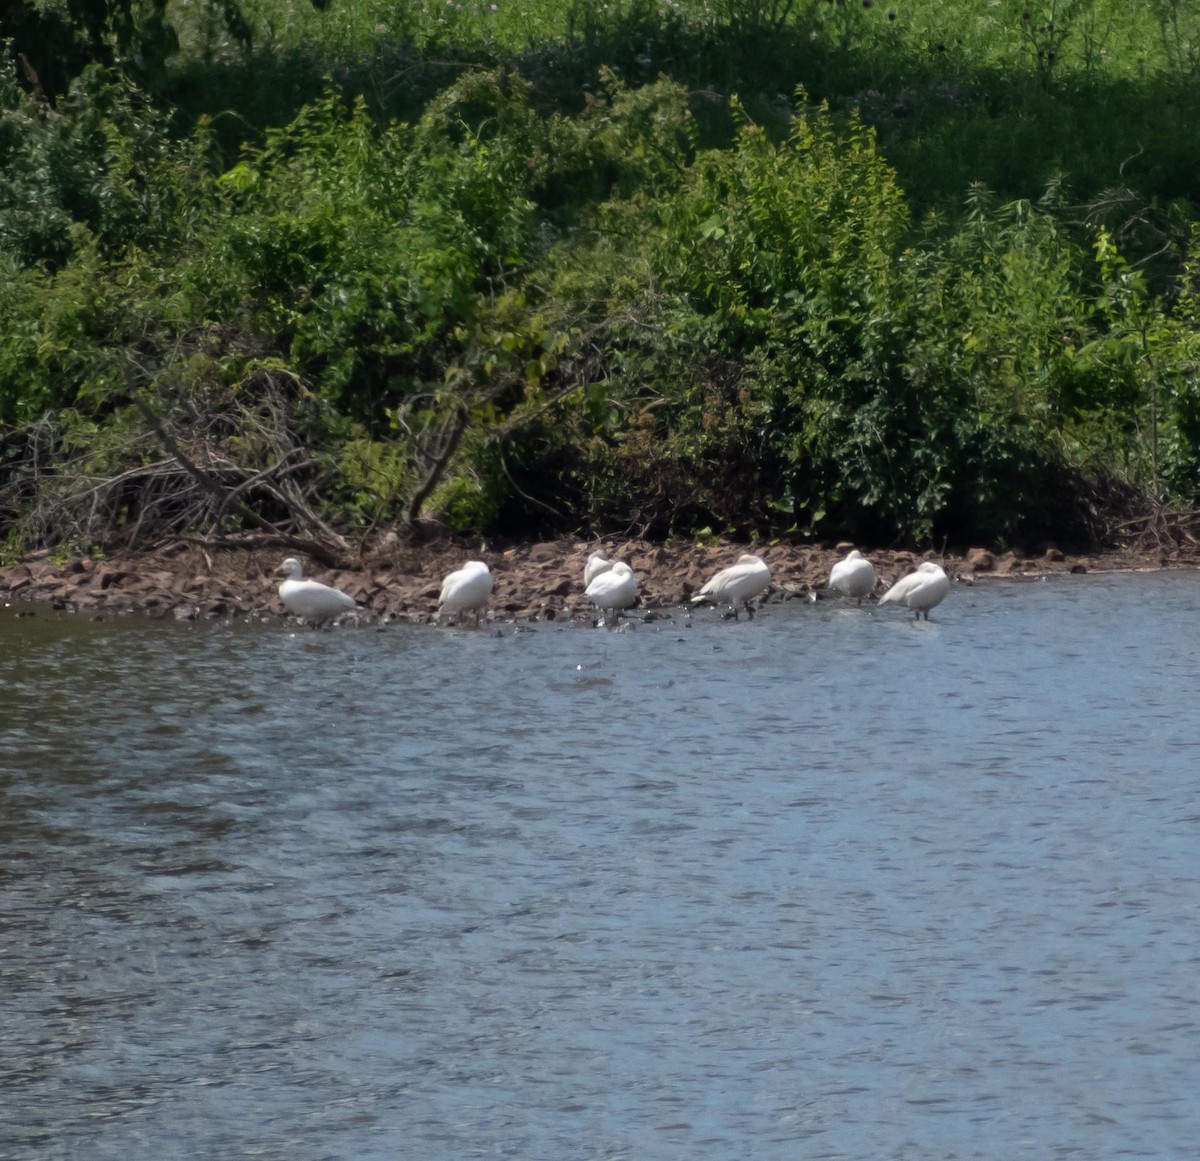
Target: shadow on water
point(827, 883)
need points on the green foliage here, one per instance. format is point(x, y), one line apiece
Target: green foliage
point(784, 348)
point(57, 39)
point(362, 249)
point(102, 166)
point(471, 499)
point(1179, 28)
point(558, 299)
point(367, 480)
point(1150, 355)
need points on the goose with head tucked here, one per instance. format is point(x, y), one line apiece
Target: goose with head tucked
point(920, 590)
point(466, 590)
point(741, 582)
point(308, 599)
point(853, 577)
point(613, 590)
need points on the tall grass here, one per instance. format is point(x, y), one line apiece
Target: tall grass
point(1007, 92)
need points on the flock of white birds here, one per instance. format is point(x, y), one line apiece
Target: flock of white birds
point(612, 587)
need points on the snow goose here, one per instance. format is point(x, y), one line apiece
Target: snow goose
point(309, 599)
point(613, 590)
point(920, 590)
point(466, 590)
point(853, 577)
point(740, 582)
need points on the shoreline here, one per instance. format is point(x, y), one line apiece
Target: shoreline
point(541, 581)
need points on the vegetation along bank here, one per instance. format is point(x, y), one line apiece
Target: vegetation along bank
point(348, 274)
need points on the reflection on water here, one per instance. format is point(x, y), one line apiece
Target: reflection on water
point(824, 884)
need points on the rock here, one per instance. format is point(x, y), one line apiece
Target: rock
point(56, 591)
point(107, 577)
point(1053, 552)
point(980, 560)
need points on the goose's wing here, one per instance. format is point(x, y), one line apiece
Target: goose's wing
point(601, 586)
point(719, 582)
point(310, 598)
point(854, 575)
point(931, 590)
point(618, 586)
point(899, 592)
point(450, 587)
point(840, 573)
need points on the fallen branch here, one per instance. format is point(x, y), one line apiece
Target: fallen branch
point(227, 501)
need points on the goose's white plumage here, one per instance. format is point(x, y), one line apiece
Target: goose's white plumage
point(613, 589)
point(466, 590)
point(310, 599)
point(596, 564)
point(853, 577)
point(740, 582)
point(920, 590)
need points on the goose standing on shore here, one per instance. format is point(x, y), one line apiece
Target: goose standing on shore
point(466, 590)
point(740, 582)
point(311, 600)
point(920, 590)
point(853, 577)
point(613, 590)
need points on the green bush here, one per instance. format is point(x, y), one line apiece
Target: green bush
point(527, 316)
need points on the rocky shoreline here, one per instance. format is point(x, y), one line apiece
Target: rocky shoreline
point(533, 582)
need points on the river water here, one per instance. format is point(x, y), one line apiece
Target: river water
point(824, 884)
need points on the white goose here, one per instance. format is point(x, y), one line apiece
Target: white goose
point(310, 599)
point(740, 582)
point(613, 590)
point(466, 590)
point(853, 577)
point(920, 590)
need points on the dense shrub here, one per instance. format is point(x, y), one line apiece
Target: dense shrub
point(526, 318)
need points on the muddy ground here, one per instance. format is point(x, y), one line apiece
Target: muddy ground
point(533, 582)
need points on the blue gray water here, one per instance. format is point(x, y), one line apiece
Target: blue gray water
point(827, 884)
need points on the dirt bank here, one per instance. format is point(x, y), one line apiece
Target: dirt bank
point(536, 582)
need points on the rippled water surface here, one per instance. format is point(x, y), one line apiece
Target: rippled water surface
point(828, 884)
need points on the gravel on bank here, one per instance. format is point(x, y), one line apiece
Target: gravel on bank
point(532, 582)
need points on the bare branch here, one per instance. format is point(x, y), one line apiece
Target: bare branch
point(449, 445)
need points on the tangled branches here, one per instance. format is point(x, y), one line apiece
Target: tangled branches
point(201, 461)
point(1160, 529)
point(1125, 517)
